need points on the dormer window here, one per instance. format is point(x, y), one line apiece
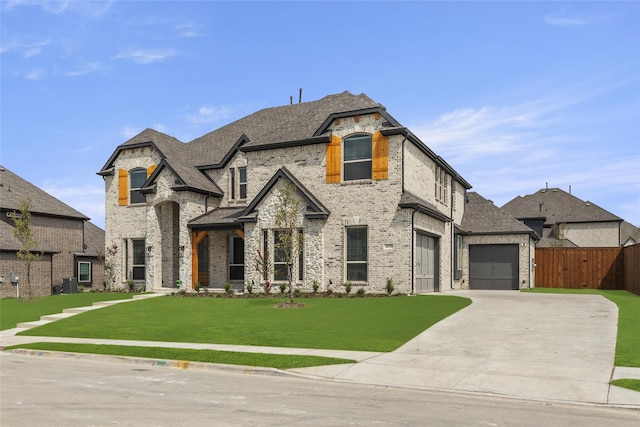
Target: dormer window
point(137, 177)
point(357, 157)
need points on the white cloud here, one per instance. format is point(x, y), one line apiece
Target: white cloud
point(37, 73)
point(26, 49)
point(148, 56)
point(564, 21)
point(83, 69)
point(189, 30)
point(130, 131)
point(87, 199)
point(207, 114)
point(90, 9)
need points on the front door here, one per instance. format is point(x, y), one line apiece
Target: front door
point(426, 273)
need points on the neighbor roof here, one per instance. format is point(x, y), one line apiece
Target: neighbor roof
point(14, 189)
point(481, 216)
point(557, 206)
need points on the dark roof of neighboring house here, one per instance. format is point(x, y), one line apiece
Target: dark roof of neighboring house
point(551, 240)
point(557, 206)
point(629, 234)
point(14, 189)
point(93, 239)
point(284, 126)
point(481, 216)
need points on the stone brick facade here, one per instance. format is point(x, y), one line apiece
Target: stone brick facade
point(416, 193)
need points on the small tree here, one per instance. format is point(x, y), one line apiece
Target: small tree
point(289, 242)
point(28, 243)
point(108, 262)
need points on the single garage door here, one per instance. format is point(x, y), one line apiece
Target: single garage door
point(493, 266)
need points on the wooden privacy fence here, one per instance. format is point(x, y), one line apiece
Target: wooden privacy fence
point(589, 268)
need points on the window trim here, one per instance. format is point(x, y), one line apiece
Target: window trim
point(88, 280)
point(136, 190)
point(230, 260)
point(135, 265)
point(361, 160)
point(347, 262)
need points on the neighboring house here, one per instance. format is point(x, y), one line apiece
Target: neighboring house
point(629, 234)
point(500, 249)
point(564, 220)
point(376, 203)
point(69, 243)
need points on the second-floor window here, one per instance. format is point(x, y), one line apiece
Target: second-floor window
point(238, 183)
point(137, 177)
point(441, 186)
point(357, 157)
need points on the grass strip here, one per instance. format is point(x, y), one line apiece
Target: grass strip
point(627, 343)
point(627, 383)
point(364, 324)
point(279, 361)
point(19, 310)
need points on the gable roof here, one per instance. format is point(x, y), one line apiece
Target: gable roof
point(276, 127)
point(94, 239)
point(14, 189)
point(481, 216)
point(314, 208)
point(557, 206)
point(175, 156)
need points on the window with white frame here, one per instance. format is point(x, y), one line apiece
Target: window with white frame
point(357, 157)
point(84, 271)
point(236, 258)
point(357, 253)
point(238, 183)
point(137, 178)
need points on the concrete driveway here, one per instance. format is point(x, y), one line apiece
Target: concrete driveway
point(552, 347)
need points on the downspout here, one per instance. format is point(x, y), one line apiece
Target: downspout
point(402, 166)
point(453, 225)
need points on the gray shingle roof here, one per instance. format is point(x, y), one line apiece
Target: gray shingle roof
point(557, 206)
point(411, 201)
point(93, 239)
point(629, 233)
point(481, 216)
point(14, 189)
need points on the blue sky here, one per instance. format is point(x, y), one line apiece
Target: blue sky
point(513, 95)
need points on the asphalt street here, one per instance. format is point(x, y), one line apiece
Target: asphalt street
point(52, 391)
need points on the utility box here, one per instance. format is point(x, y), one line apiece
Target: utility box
point(70, 285)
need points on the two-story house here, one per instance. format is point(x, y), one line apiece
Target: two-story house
point(564, 220)
point(70, 245)
point(376, 203)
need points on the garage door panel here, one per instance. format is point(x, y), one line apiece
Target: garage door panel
point(493, 266)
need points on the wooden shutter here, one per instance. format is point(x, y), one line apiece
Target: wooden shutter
point(150, 170)
point(334, 159)
point(380, 151)
point(123, 187)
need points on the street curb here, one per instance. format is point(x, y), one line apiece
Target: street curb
point(258, 370)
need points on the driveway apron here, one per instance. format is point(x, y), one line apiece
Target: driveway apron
point(552, 347)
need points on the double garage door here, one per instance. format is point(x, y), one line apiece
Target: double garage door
point(493, 267)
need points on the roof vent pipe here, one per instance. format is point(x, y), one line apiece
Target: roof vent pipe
point(300, 97)
point(290, 100)
point(569, 189)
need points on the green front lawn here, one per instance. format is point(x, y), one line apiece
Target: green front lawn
point(279, 361)
point(366, 324)
point(627, 383)
point(628, 341)
point(18, 310)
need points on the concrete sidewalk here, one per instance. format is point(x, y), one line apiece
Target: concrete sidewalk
point(546, 347)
